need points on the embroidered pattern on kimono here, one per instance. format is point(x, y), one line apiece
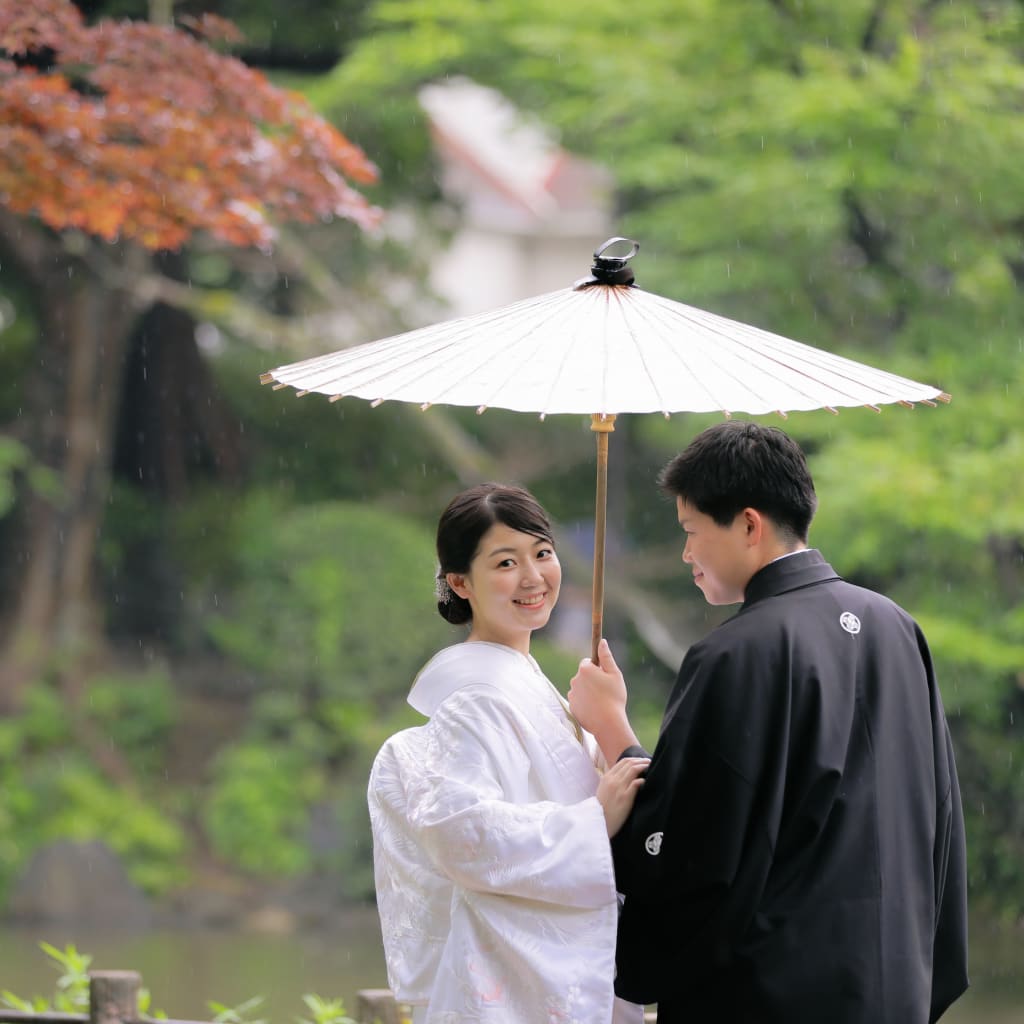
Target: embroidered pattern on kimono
point(494, 876)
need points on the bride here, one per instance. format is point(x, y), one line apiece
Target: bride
point(491, 822)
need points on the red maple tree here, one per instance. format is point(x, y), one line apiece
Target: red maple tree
point(144, 132)
point(119, 139)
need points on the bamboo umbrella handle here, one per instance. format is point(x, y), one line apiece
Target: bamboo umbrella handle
point(602, 426)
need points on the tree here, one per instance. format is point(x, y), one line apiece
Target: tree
point(119, 141)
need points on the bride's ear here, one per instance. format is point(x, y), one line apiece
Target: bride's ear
point(457, 581)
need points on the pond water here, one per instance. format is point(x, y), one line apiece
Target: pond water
point(186, 969)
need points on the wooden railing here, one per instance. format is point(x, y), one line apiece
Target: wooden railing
point(114, 999)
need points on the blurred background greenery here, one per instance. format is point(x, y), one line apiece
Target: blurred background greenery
point(261, 571)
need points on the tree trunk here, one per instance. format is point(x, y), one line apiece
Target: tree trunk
point(71, 405)
point(174, 425)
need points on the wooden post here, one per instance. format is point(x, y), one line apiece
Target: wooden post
point(113, 996)
point(377, 1006)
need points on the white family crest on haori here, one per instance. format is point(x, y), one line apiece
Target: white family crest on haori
point(494, 875)
point(850, 622)
point(652, 844)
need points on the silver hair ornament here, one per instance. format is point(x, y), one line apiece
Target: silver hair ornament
point(442, 589)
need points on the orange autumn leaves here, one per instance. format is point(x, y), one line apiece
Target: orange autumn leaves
point(129, 130)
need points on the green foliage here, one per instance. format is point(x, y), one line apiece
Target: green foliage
point(15, 460)
point(311, 30)
point(50, 790)
point(138, 712)
point(558, 664)
point(139, 578)
point(72, 993)
point(296, 758)
point(325, 1011)
point(73, 984)
point(243, 1013)
point(333, 598)
point(18, 329)
point(72, 987)
point(12, 458)
point(330, 606)
point(257, 809)
point(991, 771)
point(86, 806)
point(352, 863)
point(35, 1005)
point(313, 450)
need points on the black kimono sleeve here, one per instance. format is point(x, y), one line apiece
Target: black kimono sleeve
point(693, 855)
point(949, 969)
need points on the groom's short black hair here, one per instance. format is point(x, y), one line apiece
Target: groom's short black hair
point(736, 465)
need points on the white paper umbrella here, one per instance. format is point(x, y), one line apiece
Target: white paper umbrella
point(602, 347)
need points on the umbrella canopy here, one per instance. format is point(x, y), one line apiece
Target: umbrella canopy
point(602, 347)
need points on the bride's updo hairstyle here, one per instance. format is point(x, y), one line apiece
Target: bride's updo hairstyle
point(463, 523)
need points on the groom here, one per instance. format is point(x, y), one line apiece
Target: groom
point(796, 854)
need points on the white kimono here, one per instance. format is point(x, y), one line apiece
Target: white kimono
point(493, 869)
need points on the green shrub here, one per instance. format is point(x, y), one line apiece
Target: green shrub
point(75, 802)
point(49, 788)
point(333, 599)
point(257, 810)
point(138, 712)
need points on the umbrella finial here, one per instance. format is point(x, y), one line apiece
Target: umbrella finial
point(610, 269)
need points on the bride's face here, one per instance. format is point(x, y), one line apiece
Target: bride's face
point(512, 586)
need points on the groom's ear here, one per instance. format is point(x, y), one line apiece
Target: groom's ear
point(754, 525)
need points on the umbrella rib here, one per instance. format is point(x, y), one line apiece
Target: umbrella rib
point(413, 349)
point(512, 347)
point(513, 353)
point(714, 330)
point(679, 356)
point(743, 337)
point(819, 358)
point(840, 372)
point(641, 355)
point(562, 314)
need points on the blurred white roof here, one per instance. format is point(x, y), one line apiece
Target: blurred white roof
point(506, 169)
